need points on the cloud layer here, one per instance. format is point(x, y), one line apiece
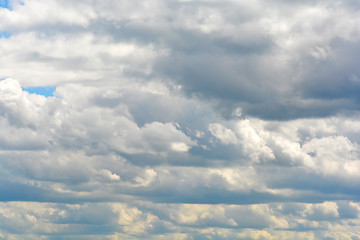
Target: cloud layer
point(180, 120)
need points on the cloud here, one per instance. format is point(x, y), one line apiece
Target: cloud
point(50, 218)
point(302, 55)
point(84, 145)
point(25, 16)
point(180, 120)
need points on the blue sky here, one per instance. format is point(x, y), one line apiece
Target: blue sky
point(179, 119)
point(4, 35)
point(45, 91)
point(4, 4)
point(10, 3)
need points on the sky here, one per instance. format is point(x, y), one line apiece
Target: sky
point(179, 119)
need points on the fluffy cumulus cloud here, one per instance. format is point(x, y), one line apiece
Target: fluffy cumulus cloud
point(179, 119)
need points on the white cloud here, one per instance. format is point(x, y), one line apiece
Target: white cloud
point(79, 137)
point(222, 221)
point(51, 59)
point(179, 147)
point(322, 211)
point(225, 135)
point(34, 13)
point(336, 156)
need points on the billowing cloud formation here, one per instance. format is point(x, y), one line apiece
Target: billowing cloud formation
point(180, 120)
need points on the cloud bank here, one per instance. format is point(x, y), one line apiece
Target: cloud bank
point(180, 119)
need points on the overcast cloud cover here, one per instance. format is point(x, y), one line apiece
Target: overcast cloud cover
point(179, 119)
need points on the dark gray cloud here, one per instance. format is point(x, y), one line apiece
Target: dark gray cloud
point(314, 75)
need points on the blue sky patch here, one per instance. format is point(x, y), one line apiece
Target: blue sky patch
point(4, 4)
point(5, 35)
point(45, 91)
